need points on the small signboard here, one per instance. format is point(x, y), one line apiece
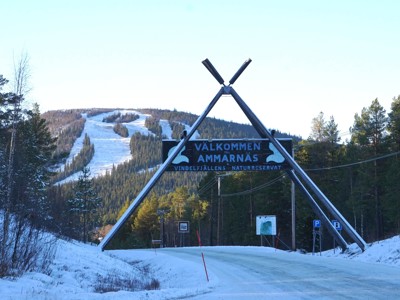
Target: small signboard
point(266, 225)
point(316, 223)
point(337, 225)
point(183, 227)
point(227, 155)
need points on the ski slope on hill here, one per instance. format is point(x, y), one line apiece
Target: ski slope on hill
point(110, 148)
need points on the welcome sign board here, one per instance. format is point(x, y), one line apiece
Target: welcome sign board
point(227, 155)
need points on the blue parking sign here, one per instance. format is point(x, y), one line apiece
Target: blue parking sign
point(316, 223)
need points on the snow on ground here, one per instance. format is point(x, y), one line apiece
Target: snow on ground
point(110, 148)
point(78, 269)
point(166, 129)
point(386, 252)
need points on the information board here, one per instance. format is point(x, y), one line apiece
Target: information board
point(266, 225)
point(183, 227)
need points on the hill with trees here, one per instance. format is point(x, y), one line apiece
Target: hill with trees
point(125, 180)
point(358, 176)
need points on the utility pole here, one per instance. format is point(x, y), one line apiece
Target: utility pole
point(211, 218)
point(219, 211)
point(293, 201)
point(161, 213)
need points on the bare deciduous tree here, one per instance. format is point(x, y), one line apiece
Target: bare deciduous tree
point(22, 74)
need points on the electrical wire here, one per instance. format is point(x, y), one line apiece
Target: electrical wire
point(356, 163)
point(207, 186)
point(212, 182)
point(264, 185)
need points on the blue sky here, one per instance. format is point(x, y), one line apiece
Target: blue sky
point(307, 56)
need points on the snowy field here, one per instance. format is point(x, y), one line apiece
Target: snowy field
point(80, 270)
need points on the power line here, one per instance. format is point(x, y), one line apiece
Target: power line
point(207, 186)
point(356, 163)
point(264, 185)
point(255, 188)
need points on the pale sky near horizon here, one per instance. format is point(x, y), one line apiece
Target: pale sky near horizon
point(307, 56)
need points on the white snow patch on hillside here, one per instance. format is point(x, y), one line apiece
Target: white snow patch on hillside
point(110, 148)
point(166, 129)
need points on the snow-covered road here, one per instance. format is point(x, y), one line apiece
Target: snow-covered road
point(260, 273)
point(240, 272)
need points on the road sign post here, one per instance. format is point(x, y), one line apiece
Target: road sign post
point(317, 233)
point(183, 227)
point(338, 226)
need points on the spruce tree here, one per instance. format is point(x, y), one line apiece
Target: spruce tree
point(33, 158)
point(84, 205)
